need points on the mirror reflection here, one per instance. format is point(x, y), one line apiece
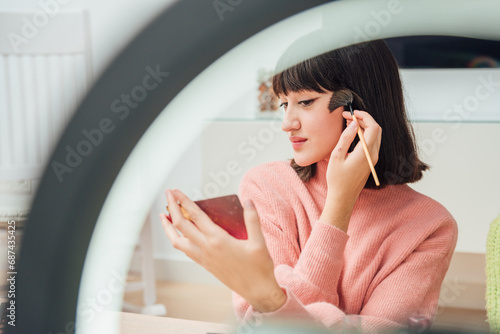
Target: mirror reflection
point(225, 164)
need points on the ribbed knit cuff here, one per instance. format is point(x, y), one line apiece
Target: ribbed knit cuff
point(291, 309)
point(322, 258)
point(294, 312)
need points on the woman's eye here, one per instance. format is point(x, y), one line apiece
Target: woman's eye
point(307, 103)
point(284, 105)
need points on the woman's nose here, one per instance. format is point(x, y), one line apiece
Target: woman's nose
point(289, 122)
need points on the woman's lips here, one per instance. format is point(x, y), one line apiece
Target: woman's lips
point(297, 142)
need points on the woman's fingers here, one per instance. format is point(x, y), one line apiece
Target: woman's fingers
point(167, 226)
point(197, 215)
point(345, 140)
point(173, 206)
point(177, 240)
point(186, 227)
point(365, 120)
point(252, 223)
point(200, 230)
point(372, 131)
point(180, 242)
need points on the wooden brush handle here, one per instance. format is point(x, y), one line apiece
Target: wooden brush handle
point(367, 153)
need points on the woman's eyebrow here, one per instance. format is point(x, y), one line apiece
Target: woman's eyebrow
point(309, 98)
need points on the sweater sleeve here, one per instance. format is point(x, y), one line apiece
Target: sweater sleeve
point(301, 272)
point(411, 288)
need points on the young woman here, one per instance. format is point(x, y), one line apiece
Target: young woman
point(323, 241)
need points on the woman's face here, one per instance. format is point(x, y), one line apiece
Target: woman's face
point(312, 129)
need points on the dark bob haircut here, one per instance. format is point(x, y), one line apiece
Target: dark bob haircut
point(370, 70)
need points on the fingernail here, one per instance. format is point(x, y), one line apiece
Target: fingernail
point(249, 204)
point(164, 217)
point(353, 124)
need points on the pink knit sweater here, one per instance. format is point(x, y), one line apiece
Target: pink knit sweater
point(388, 266)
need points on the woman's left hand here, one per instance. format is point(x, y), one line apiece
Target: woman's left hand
point(244, 266)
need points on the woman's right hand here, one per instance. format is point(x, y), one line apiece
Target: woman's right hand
point(347, 173)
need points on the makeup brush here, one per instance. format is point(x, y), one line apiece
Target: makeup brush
point(344, 97)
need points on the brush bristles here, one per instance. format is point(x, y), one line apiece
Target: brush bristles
point(340, 98)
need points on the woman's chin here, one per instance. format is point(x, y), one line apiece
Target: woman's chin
point(303, 162)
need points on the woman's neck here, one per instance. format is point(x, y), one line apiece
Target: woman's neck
point(321, 167)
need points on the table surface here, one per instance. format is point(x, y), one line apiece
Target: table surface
point(132, 323)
